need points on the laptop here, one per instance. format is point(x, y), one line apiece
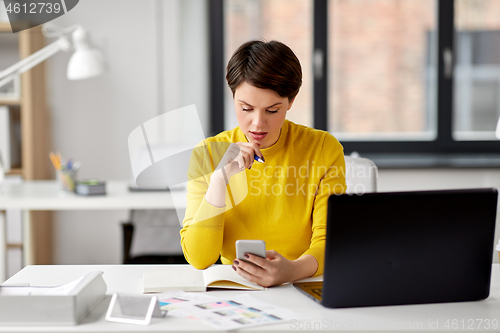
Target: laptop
point(407, 248)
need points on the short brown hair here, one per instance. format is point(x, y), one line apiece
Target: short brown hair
point(266, 65)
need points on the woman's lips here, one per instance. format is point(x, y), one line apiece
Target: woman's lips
point(258, 135)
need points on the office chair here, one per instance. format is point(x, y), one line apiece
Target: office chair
point(152, 237)
point(361, 174)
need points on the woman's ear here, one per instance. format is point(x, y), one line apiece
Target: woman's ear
point(290, 103)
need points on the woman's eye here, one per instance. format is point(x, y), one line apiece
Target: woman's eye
point(250, 109)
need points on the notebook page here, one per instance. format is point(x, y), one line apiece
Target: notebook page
point(224, 273)
point(162, 281)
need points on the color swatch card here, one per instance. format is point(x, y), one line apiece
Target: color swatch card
point(231, 313)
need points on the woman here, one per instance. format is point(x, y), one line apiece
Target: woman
point(282, 201)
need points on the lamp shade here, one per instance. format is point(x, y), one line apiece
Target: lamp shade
point(86, 62)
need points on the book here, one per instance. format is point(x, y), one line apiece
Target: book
point(221, 276)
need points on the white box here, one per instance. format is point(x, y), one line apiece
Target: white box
point(64, 305)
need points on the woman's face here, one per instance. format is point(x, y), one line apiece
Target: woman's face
point(260, 113)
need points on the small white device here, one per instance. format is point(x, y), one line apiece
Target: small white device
point(253, 246)
point(134, 309)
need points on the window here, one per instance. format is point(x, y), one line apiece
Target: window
point(381, 70)
point(385, 76)
point(288, 21)
point(477, 70)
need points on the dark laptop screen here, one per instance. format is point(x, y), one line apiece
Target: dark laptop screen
point(409, 247)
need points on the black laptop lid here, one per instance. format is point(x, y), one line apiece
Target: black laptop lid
point(409, 247)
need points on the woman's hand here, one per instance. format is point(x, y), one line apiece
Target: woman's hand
point(275, 269)
point(238, 156)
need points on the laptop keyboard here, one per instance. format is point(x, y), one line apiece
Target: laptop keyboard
point(317, 292)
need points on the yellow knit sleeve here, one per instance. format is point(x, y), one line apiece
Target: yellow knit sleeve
point(333, 182)
point(203, 224)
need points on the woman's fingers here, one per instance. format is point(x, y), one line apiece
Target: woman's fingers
point(256, 260)
point(243, 273)
point(274, 270)
point(245, 160)
point(255, 149)
point(239, 156)
point(230, 155)
point(232, 168)
point(248, 151)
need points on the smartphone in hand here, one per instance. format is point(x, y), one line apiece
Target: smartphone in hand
point(253, 246)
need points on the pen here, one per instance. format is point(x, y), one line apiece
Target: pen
point(259, 159)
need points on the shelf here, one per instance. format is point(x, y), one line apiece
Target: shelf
point(14, 171)
point(5, 27)
point(30, 119)
point(14, 102)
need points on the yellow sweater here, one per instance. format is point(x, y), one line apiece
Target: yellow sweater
point(282, 201)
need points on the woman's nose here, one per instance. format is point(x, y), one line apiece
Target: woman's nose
point(258, 120)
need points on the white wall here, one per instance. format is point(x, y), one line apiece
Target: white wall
point(438, 179)
point(148, 44)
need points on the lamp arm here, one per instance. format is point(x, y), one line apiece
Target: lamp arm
point(59, 45)
point(7, 79)
point(31, 61)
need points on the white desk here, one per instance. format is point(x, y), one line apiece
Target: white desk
point(128, 279)
point(45, 195)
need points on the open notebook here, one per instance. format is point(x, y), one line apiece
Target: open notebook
point(222, 276)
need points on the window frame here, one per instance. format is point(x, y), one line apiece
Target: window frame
point(443, 144)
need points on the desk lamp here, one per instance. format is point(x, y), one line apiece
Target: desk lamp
point(86, 62)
